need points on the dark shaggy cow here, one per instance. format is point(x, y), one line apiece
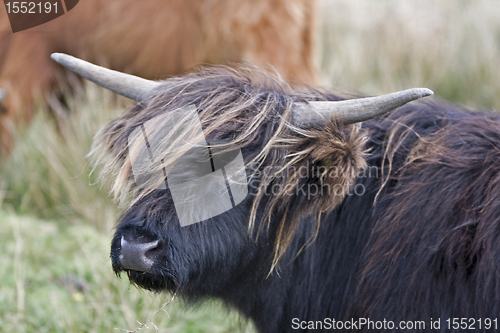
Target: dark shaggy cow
point(153, 39)
point(395, 220)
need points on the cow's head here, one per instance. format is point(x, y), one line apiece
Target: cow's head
point(219, 168)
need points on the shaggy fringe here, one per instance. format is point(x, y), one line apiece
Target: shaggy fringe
point(250, 109)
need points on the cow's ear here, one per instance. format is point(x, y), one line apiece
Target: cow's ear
point(337, 156)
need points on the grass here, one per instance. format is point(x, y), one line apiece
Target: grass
point(56, 224)
point(48, 174)
point(57, 278)
point(379, 46)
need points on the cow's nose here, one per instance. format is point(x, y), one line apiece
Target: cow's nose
point(133, 255)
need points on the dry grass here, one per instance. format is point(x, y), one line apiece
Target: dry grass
point(48, 172)
point(379, 46)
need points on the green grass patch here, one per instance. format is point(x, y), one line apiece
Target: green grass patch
point(48, 174)
point(58, 279)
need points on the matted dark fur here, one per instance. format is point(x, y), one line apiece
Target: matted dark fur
point(419, 242)
point(432, 250)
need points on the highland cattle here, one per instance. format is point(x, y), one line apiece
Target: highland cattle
point(355, 219)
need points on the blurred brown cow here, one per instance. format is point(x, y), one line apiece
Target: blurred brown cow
point(153, 39)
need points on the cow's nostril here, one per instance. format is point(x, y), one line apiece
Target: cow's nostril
point(133, 255)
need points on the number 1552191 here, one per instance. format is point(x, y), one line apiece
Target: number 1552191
point(31, 7)
point(472, 324)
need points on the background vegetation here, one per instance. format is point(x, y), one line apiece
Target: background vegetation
point(56, 222)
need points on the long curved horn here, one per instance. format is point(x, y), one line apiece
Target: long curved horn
point(353, 110)
point(127, 85)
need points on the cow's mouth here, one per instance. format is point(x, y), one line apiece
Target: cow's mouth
point(152, 282)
